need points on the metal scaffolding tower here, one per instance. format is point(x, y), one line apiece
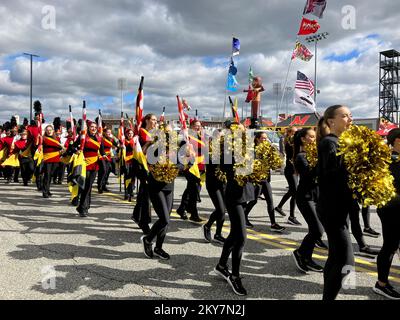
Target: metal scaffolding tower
point(389, 85)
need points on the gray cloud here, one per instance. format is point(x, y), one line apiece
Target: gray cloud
point(182, 47)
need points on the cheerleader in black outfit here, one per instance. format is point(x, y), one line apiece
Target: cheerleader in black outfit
point(390, 218)
point(162, 198)
point(335, 199)
point(291, 178)
point(265, 189)
point(236, 198)
point(216, 191)
point(306, 197)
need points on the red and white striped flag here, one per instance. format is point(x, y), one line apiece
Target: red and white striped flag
point(139, 106)
point(182, 118)
point(303, 83)
point(162, 118)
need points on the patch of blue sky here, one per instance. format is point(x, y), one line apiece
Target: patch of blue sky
point(215, 61)
point(354, 54)
point(9, 60)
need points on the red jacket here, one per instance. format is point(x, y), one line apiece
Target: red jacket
point(51, 149)
point(92, 150)
point(199, 145)
point(129, 145)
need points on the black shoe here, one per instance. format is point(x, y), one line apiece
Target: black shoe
point(371, 233)
point(130, 198)
point(320, 244)
point(249, 224)
point(293, 221)
point(300, 263)
point(75, 201)
point(368, 252)
point(387, 291)
point(277, 228)
point(46, 195)
point(182, 214)
point(83, 215)
point(207, 233)
point(222, 271)
point(147, 247)
point(195, 218)
point(99, 191)
point(50, 194)
point(59, 182)
point(161, 254)
point(236, 284)
point(16, 180)
point(25, 184)
point(219, 239)
point(106, 189)
point(280, 211)
point(311, 265)
point(126, 197)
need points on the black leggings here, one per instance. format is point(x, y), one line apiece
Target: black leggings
point(190, 195)
point(292, 180)
point(104, 172)
point(27, 169)
point(48, 169)
point(265, 189)
point(366, 217)
point(315, 229)
point(236, 239)
point(162, 203)
point(86, 194)
point(340, 256)
point(356, 226)
point(390, 219)
point(218, 215)
point(142, 212)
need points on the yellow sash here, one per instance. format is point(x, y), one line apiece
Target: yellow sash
point(12, 161)
point(94, 142)
point(147, 133)
point(50, 155)
point(27, 152)
point(197, 140)
point(91, 160)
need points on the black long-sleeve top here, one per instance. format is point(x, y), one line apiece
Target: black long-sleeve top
point(289, 151)
point(395, 172)
point(307, 188)
point(234, 193)
point(335, 197)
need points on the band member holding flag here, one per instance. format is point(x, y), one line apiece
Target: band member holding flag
point(193, 174)
point(52, 150)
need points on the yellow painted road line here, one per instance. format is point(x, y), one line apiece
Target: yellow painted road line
point(286, 244)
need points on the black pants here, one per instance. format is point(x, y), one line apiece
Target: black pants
point(218, 215)
point(104, 173)
point(8, 173)
point(27, 169)
point(390, 218)
point(129, 174)
point(16, 174)
point(190, 195)
point(237, 237)
point(86, 194)
point(366, 215)
point(266, 190)
point(315, 229)
point(162, 203)
point(340, 254)
point(142, 211)
point(48, 171)
point(39, 176)
point(59, 173)
point(292, 180)
point(356, 226)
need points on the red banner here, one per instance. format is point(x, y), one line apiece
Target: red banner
point(308, 27)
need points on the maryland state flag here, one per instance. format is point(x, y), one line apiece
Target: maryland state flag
point(77, 177)
point(138, 153)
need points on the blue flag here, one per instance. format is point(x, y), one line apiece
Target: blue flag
point(235, 47)
point(232, 83)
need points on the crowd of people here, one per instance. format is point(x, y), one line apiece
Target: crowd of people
point(40, 153)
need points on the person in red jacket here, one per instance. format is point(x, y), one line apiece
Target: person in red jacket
point(9, 143)
point(52, 150)
point(109, 143)
point(191, 195)
point(25, 156)
point(93, 146)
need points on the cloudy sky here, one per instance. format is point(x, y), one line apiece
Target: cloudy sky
point(183, 47)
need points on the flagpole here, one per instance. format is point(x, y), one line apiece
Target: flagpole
point(284, 90)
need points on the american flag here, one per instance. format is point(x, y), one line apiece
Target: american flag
point(304, 83)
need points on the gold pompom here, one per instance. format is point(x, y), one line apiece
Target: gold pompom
point(220, 175)
point(164, 171)
point(367, 159)
point(311, 154)
point(269, 156)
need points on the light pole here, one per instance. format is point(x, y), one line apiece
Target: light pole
point(288, 91)
point(276, 89)
point(122, 86)
point(31, 56)
point(315, 38)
